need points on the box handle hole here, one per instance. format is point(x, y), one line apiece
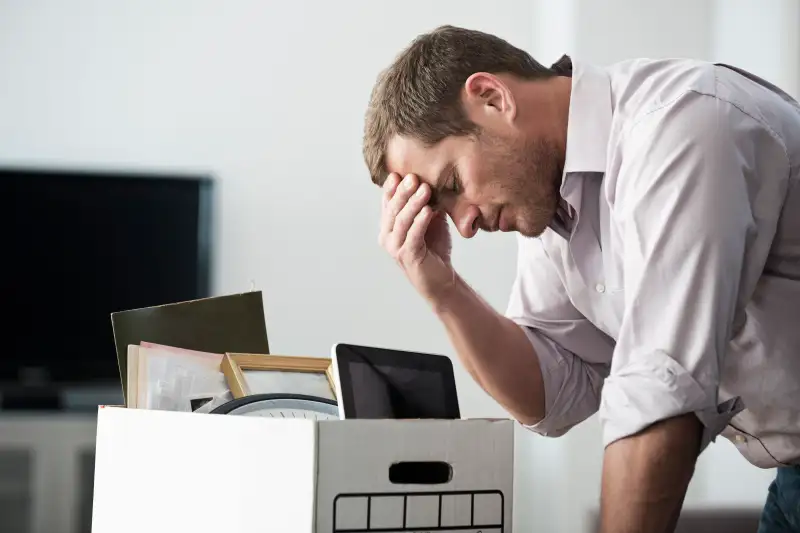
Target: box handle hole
point(420, 473)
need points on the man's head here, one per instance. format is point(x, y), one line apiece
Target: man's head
point(477, 119)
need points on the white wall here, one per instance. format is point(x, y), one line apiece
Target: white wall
point(760, 37)
point(270, 97)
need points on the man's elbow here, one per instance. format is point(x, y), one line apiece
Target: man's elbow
point(527, 419)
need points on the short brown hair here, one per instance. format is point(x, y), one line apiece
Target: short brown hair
point(419, 95)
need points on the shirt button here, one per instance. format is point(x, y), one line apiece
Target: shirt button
point(600, 288)
point(739, 439)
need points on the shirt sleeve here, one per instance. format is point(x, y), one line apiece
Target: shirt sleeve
point(683, 207)
point(569, 347)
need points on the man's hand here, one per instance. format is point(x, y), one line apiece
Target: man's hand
point(494, 350)
point(416, 237)
point(645, 477)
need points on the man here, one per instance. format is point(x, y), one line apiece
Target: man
point(658, 210)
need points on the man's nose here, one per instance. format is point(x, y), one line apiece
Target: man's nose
point(466, 220)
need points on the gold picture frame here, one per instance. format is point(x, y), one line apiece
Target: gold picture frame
point(285, 370)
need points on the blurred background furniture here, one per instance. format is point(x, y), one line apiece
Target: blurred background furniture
point(46, 472)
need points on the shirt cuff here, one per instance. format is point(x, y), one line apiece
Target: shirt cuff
point(570, 393)
point(549, 363)
point(656, 388)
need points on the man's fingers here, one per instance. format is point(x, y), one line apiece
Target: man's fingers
point(406, 217)
point(399, 198)
point(415, 238)
point(389, 187)
point(402, 193)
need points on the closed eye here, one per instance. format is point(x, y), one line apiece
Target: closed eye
point(455, 184)
point(452, 187)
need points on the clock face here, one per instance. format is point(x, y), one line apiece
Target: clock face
point(276, 406)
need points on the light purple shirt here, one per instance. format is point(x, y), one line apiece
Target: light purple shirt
point(670, 282)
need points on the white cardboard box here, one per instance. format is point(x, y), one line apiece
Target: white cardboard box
point(161, 471)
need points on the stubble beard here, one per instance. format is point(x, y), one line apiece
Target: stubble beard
point(533, 179)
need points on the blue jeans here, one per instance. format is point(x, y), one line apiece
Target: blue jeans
point(781, 512)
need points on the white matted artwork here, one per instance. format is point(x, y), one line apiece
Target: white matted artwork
point(174, 379)
point(248, 374)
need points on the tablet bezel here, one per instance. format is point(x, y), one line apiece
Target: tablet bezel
point(378, 355)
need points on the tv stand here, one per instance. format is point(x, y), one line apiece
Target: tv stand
point(21, 398)
point(47, 441)
point(55, 399)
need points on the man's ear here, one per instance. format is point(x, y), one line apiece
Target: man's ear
point(487, 94)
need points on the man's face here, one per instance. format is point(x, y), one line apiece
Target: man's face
point(492, 181)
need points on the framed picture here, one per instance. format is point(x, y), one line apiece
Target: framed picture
point(248, 374)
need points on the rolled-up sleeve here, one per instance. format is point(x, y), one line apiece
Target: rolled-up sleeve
point(683, 208)
point(572, 352)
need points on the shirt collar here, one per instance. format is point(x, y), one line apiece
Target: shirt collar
point(589, 119)
point(588, 131)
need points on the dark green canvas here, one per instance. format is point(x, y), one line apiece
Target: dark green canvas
point(232, 323)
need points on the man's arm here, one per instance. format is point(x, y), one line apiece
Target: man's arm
point(693, 253)
point(645, 476)
point(542, 360)
point(495, 351)
point(527, 361)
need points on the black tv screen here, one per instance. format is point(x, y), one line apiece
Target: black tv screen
point(81, 245)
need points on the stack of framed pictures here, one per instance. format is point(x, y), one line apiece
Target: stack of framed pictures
point(279, 386)
point(212, 356)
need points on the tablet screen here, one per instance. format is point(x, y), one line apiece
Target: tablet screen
point(414, 394)
point(381, 383)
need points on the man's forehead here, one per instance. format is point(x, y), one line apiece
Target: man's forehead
point(405, 155)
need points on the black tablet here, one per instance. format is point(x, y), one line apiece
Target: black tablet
point(382, 383)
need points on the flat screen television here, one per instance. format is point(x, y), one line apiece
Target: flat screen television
point(78, 246)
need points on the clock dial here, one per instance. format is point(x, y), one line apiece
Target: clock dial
point(282, 406)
